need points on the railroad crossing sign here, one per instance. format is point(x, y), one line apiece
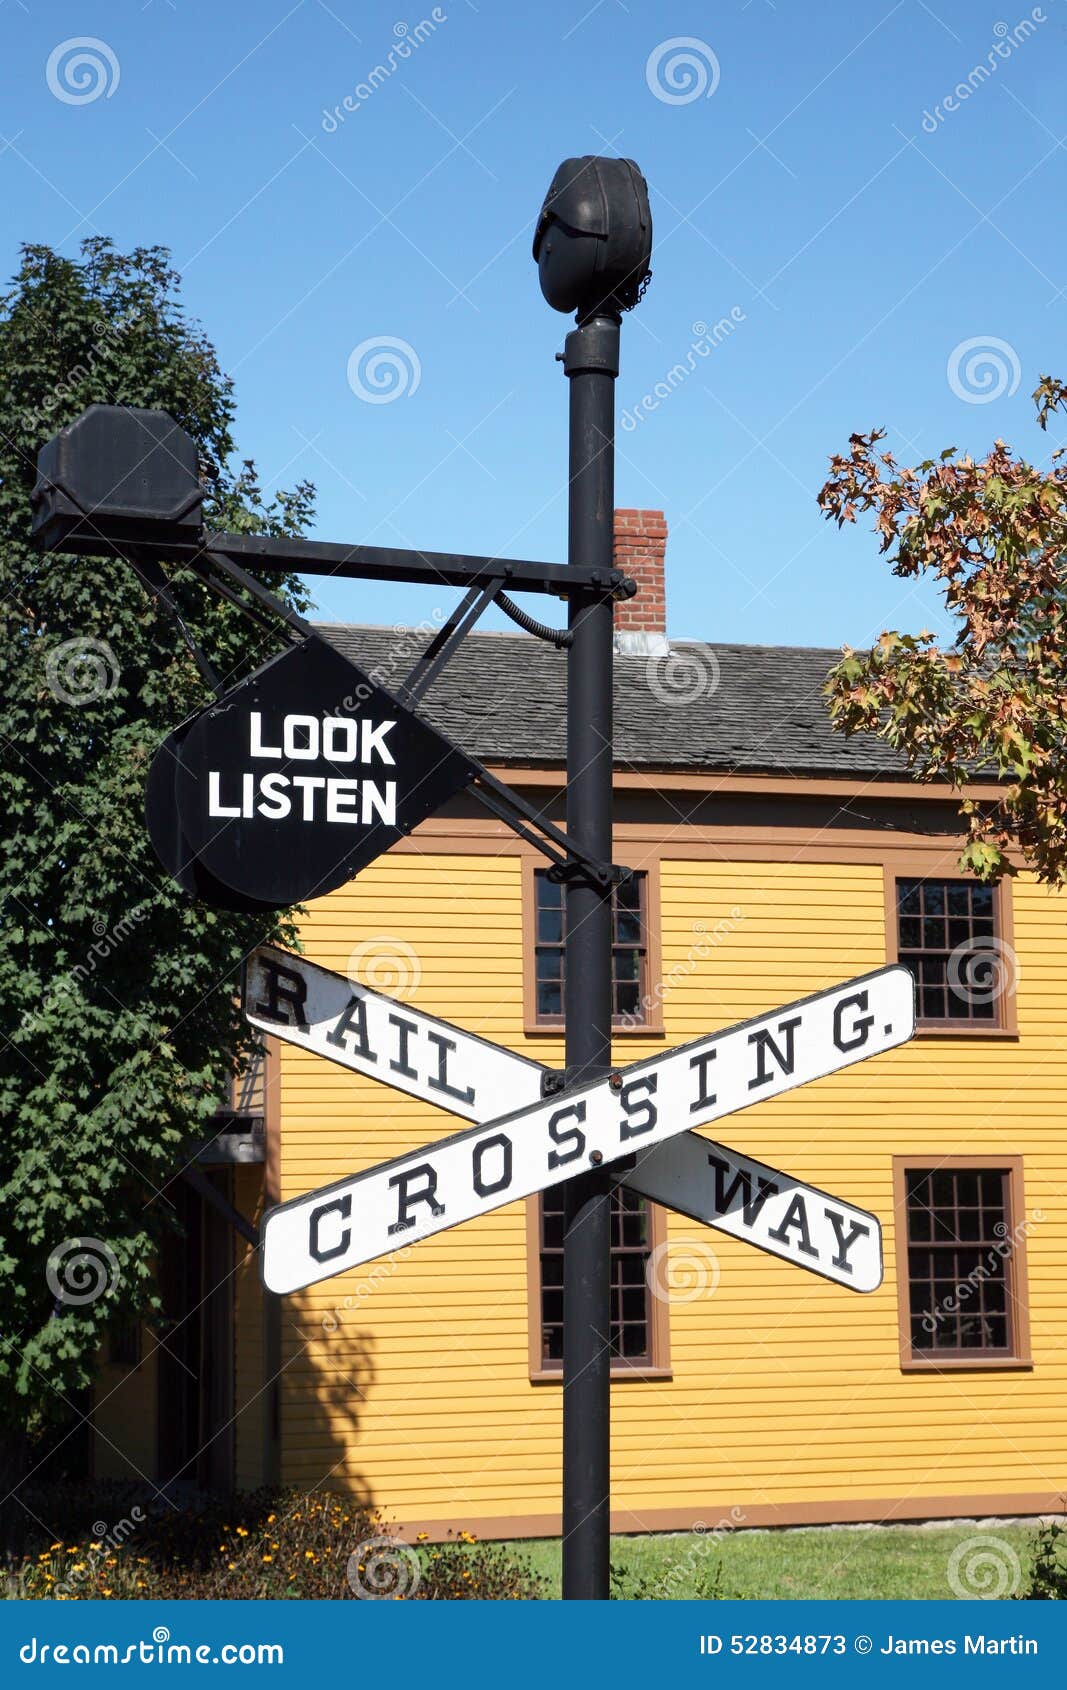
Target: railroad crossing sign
point(377, 1035)
point(545, 1141)
point(385, 1038)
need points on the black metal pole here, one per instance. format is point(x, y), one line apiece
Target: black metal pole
point(591, 362)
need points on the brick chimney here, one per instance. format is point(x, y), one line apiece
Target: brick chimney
point(640, 549)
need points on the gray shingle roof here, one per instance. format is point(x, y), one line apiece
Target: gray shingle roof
point(716, 707)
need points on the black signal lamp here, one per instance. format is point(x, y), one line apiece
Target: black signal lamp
point(593, 242)
point(118, 474)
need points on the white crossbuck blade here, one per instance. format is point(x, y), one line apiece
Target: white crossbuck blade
point(644, 1110)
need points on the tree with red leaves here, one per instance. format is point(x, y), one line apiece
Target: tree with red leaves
point(993, 706)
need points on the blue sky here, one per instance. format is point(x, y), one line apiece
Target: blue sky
point(805, 174)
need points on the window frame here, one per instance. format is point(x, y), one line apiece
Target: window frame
point(1016, 1278)
point(928, 867)
point(536, 1026)
point(659, 1367)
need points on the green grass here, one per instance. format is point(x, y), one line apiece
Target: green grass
point(879, 1562)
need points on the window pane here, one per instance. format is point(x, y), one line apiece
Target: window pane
point(549, 964)
point(943, 930)
point(549, 892)
point(630, 1334)
point(549, 999)
point(626, 965)
point(967, 1188)
point(628, 893)
point(627, 999)
point(957, 1273)
point(627, 928)
point(550, 927)
point(629, 963)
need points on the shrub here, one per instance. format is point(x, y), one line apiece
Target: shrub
point(1048, 1577)
point(268, 1544)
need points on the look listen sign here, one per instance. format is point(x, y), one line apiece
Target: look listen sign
point(303, 774)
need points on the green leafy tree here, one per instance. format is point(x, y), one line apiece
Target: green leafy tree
point(993, 532)
point(119, 1030)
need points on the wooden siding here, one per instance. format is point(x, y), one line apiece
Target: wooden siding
point(408, 1381)
point(124, 1417)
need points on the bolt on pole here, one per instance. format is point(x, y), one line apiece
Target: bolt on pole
point(591, 363)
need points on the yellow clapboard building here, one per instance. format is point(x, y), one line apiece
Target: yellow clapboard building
point(775, 859)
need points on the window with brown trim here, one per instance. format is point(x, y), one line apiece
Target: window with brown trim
point(947, 936)
point(633, 1338)
point(629, 950)
point(962, 1271)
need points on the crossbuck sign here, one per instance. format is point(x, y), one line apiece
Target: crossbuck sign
point(541, 1142)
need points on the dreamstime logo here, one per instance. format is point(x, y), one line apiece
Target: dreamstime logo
point(701, 948)
point(682, 677)
point(704, 343)
point(983, 970)
point(82, 69)
point(406, 40)
point(682, 1271)
point(705, 1538)
point(1007, 41)
point(984, 1569)
point(82, 670)
point(106, 343)
point(82, 1573)
point(384, 1569)
point(384, 368)
point(69, 985)
point(380, 1273)
point(82, 1269)
point(387, 964)
point(682, 70)
point(991, 1267)
point(982, 369)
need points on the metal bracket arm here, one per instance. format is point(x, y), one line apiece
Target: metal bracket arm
point(361, 563)
point(210, 1194)
point(569, 861)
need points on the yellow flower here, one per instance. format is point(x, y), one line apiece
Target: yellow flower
point(55, 1546)
point(233, 1566)
point(241, 1532)
point(422, 1536)
point(271, 1519)
point(268, 1557)
point(106, 1592)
